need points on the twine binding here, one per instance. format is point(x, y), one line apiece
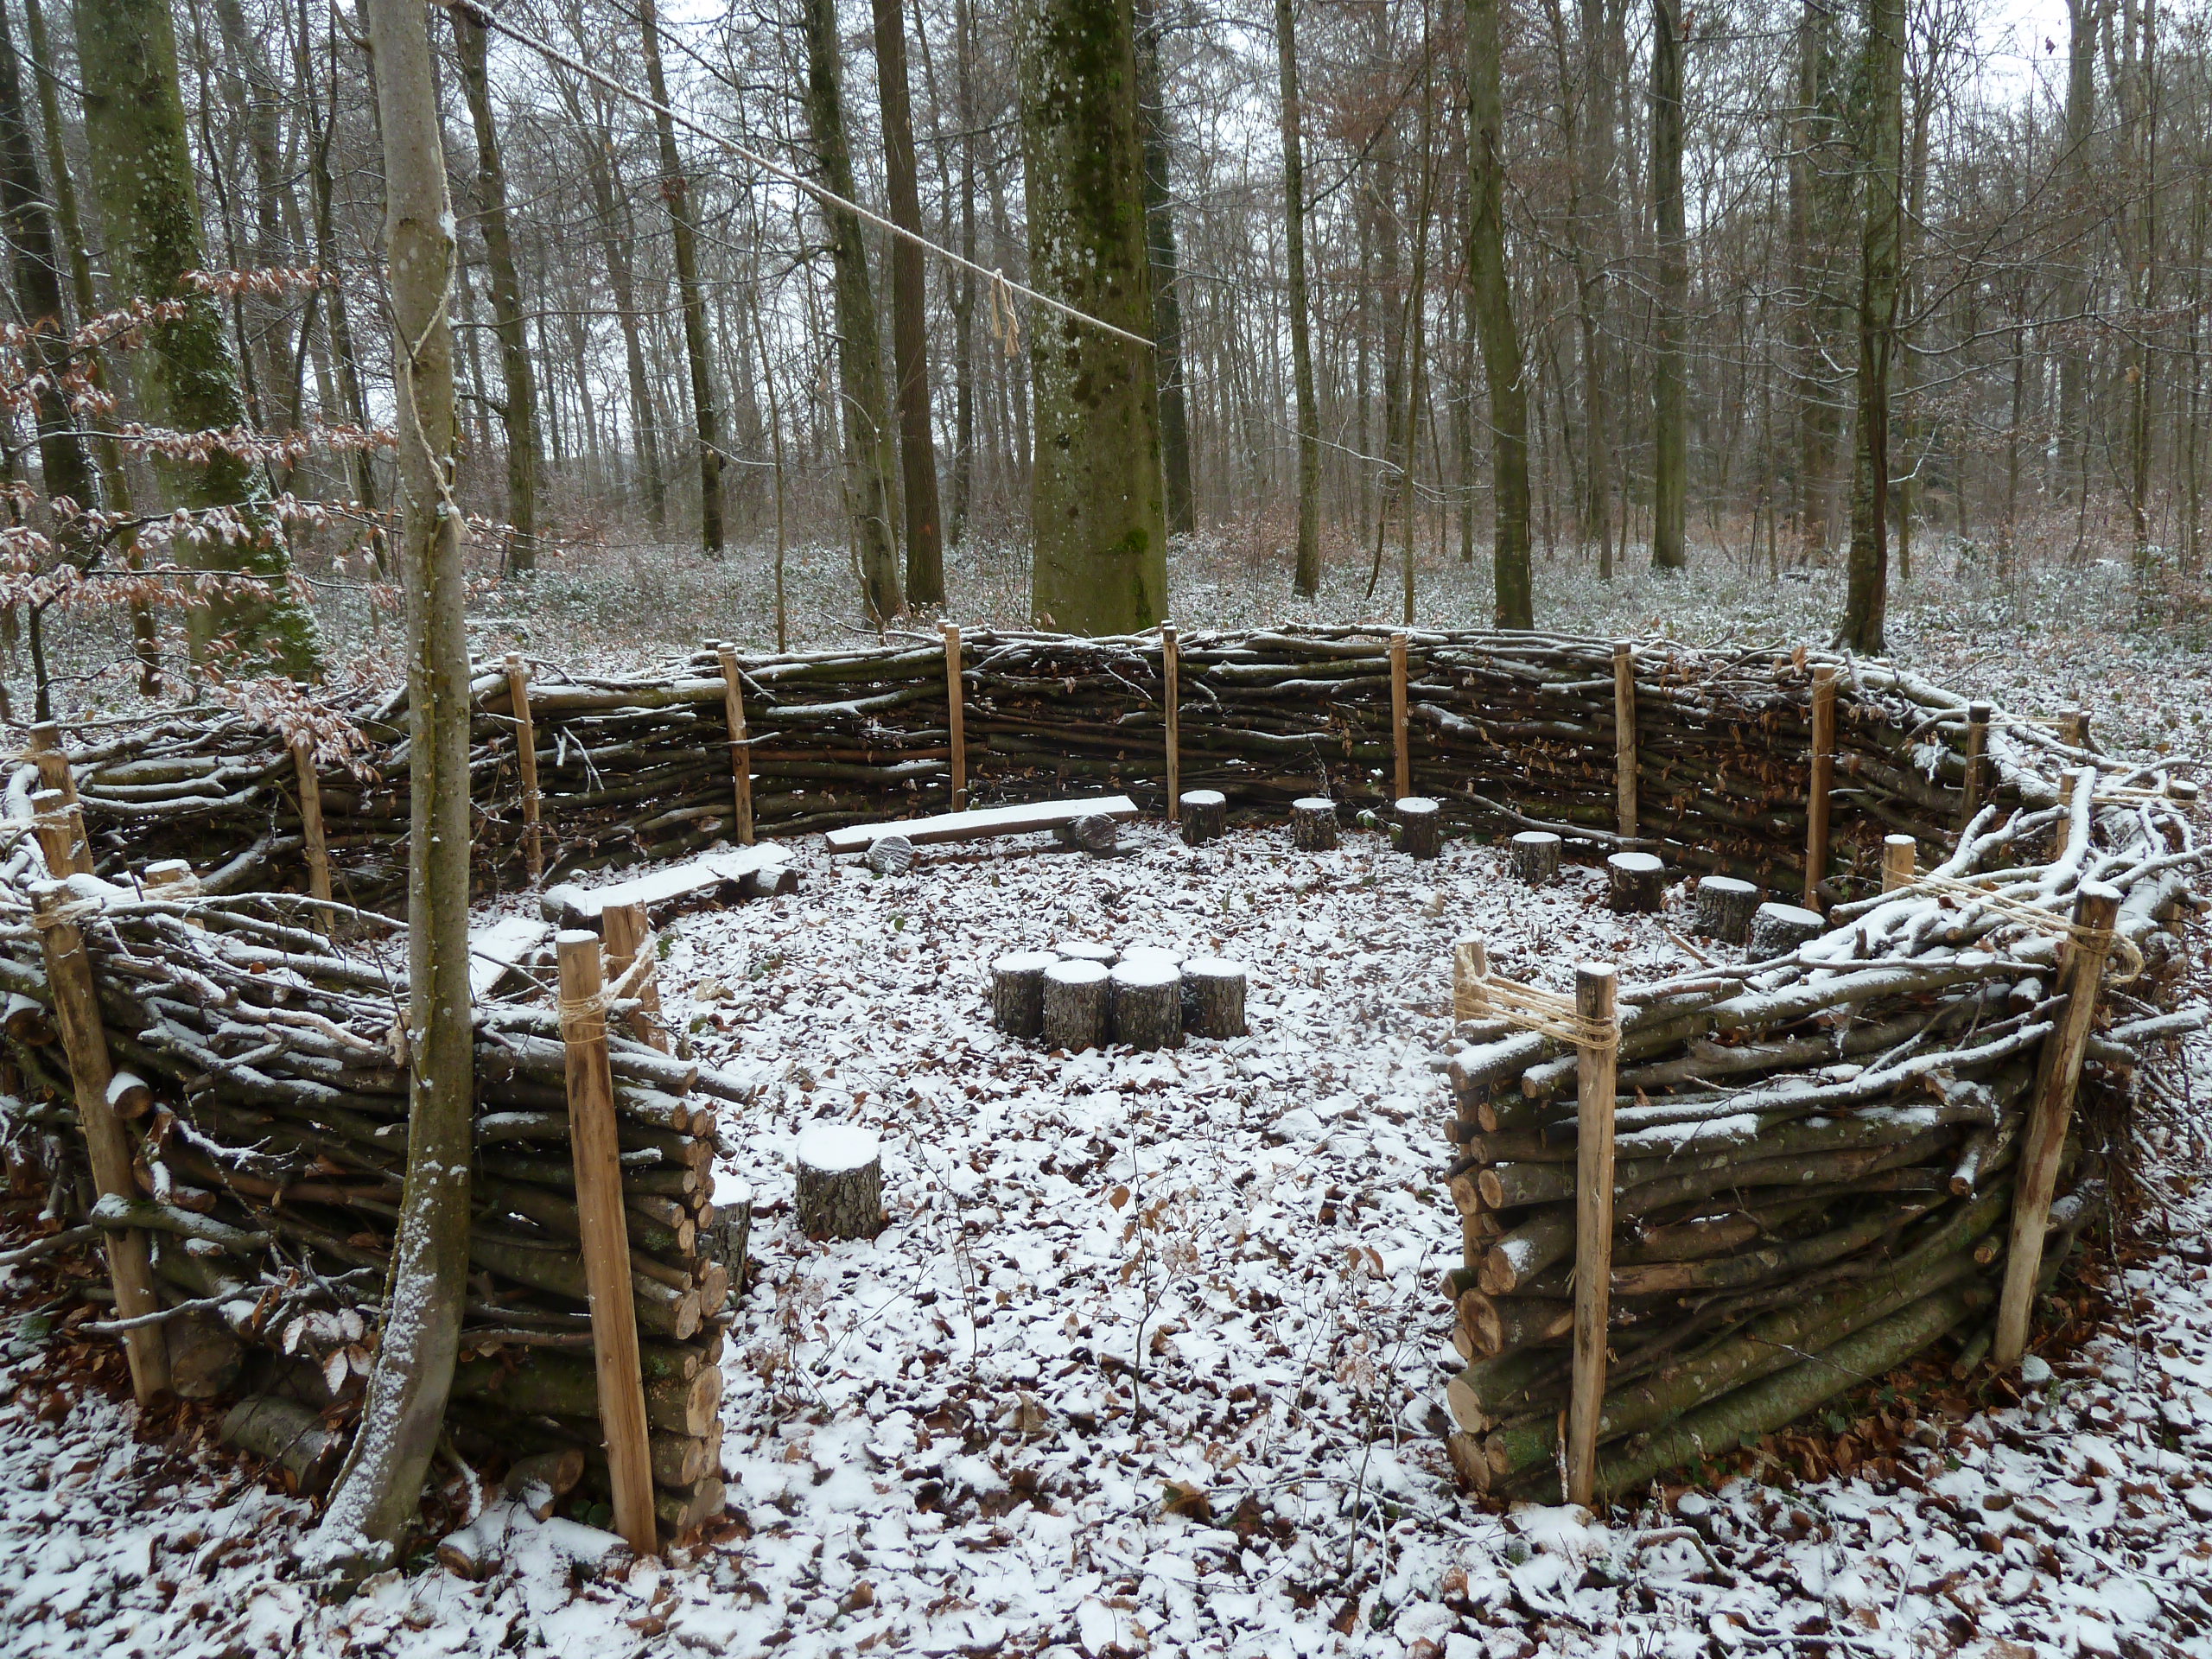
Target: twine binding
point(1485, 995)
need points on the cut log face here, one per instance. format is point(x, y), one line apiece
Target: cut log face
point(1095, 832)
point(1205, 813)
point(1213, 997)
point(1077, 998)
point(289, 1435)
point(1778, 929)
point(1534, 858)
point(840, 1182)
point(891, 856)
point(1636, 881)
point(1313, 823)
point(1725, 906)
point(1087, 950)
point(1147, 1003)
point(1018, 992)
point(1419, 826)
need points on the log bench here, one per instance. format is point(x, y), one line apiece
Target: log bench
point(993, 821)
point(665, 891)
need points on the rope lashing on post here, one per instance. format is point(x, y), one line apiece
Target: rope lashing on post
point(575, 1009)
point(2028, 914)
point(1476, 995)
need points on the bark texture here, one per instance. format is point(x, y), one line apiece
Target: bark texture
point(1491, 298)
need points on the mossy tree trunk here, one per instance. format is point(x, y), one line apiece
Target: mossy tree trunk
point(1306, 578)
point(1670, 297)
point(1167, 295)
point(1097, 500)
point(141, 174)
point(1491, 297)
point(1866, 598)
point(517, 377)
point(865, 411)
point(909, 315)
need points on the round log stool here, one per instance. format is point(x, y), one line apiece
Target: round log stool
point(1418, 824)
point(840, 1182)
point(1213, 997)
point(1157, 954)
point(1635, 881)
point(1087, 950)
point(890, 855)
point(1147, 1002)
point(1075, 1005)
point(1313, 823)
point(1204, 812)
point(1724, 908)
point(1094, 832)
point(1018, 992)
point(1534, 858)
point(1778, 929)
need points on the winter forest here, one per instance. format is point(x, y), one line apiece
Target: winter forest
point(1105, 828)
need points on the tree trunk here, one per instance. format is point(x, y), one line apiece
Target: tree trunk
point(259, 96)
point(1597, 224)
point(1167, 295)
point(909, 316)
point(143, 175)
point(963, 304)
point(1867, 599)
point(1306, 580)
point(382, 1483)
point(517, 376)
point(1492, 297)
point(1670, 296)
point(2069, 297)
point(608, 204)
point(867, 419)
point(676, 191)
point(1097, 508)
point(348, 364)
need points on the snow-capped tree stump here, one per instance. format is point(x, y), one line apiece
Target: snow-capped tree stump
point(1077, 995)
point(1094, 832)
point(1147, 1002)
point(840, 1182)
point(1087, 950)
point(725, 1234)
point(289, 1435)
point(1206, 814)
point(1724, 908)
point(1018, 992)
point(1313, 823)
point(1213, 997)
point(1778, 929)
point(1635, 881)
point(890, 856)
point(1534, 858)
point(1419, 822)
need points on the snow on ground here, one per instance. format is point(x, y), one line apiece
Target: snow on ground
point(1150, 1355)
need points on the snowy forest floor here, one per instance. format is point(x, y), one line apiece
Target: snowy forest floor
point(1150, 1357)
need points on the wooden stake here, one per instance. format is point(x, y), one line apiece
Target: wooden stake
point(627, 936)
point(1405, 773)
point(1595, 984)
point(605, 1237)
point(1625, 731)
point(1900, 861)
point(2074, 728)
point(956, 698)
point(526, 761)
point(52, 760)
point(311, 829)
point(1470, 961)
point(1816, 802)
point(59, 824)
point(77, 1012)
point(741, 746)
point(1172, 694)
point(2058, 1077)
point(1977, 717)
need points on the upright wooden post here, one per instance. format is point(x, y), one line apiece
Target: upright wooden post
point(2058, 1075)
point(311, 830)
point(527, 762)
point(741, 746)
point(1595, 985)
point(956, 698)
point(1404, 778)
point(59, 823)
point(1816, 801)
point(1625, 732)
point(2074, 728)
point(77, 1012)
point(1171, 691)
point(1900, 861)
point(1470, 963)
point(1978, 718)
point(605, 1237)
point(628, 936)
point(52, 760)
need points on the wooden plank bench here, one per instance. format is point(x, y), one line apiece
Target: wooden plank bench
point(663, 892)
point(496, 951)
point(993, 821)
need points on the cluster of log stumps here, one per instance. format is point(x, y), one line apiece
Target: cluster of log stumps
point(1692, 1212)
point(1081, 995)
